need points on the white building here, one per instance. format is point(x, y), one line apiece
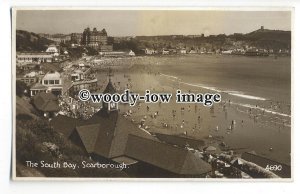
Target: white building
point(51, 82)
point(193, 52)
point(131, 53)
point(165, 52)
point(52, 49)
point(228, 52)
point(34, 58)
point(149, 51)
point(182, 51)
point(77, 75)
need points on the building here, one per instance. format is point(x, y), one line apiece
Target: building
point(66, 38)
point(109, 136)
point(193, 52)
point(165, 52)
point(37, 88)
point(149, 51)
point(117, 54)
point(46, 103)
point(227, 52)
point(27, 80)
point(181, 51)
point(131, 53)
point(34, 57)
point(30, 78)
point(77, 75)
point(80, 72)
point(28, 67)
point(52, 49)
point(90, 85)
point(76, 38)
point(51, 82)
point(96, 39)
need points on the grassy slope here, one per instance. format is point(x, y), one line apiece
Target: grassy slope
point(23, 107)
point(29, 41)
point(30, 137)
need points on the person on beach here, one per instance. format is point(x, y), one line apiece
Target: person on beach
point(174, 114)
point(212, 109)
point(155, 115)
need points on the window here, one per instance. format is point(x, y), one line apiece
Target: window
point(51, 81)
point(46, 82)
point(56, 81)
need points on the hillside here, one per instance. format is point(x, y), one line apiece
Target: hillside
point(29, 41)
point(266, 39)
point(273, 39)
point(23, 107)
point(37, 141)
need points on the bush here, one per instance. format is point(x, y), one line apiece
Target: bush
point(23, 117)
point(20, 88)
point(92, 51)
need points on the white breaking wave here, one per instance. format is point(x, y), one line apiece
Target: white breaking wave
point(240, 94)
point(262, 109)
point(169, 76)
point(201, 86)
point(233, 93)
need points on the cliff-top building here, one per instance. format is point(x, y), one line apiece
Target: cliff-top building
point(96, 39)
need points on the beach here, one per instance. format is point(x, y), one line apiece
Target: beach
point(253, 115)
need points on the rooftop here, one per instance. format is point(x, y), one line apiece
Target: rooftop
point(112, 136)
point(52, 75)
point(38, 86)
point(46, 102)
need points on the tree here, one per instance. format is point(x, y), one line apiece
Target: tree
point(91, 51)
point(20, 88)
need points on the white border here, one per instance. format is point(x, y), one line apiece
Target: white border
point(129, 187)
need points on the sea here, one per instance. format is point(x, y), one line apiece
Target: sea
point(248, 80)
point(258, 84)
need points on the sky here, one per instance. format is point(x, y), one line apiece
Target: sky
point(151, 22)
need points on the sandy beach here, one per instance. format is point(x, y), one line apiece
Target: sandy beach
point(242, 122)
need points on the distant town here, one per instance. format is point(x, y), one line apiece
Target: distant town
point(59, 48)
point(262, 42)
